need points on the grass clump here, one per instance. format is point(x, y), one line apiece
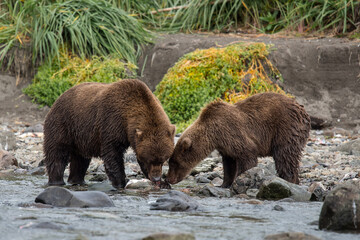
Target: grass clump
point(230, 73)
point(54, 79)
point(88, 27)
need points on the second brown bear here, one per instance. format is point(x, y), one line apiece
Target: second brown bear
point(266, 124)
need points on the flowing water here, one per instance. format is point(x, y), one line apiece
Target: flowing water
point(131, 218)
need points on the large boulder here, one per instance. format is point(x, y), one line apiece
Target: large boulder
point(341, 209)
point(278, 188)
point(62, 197)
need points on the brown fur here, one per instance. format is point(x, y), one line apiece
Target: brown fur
point(103, 120)
point(266, 124)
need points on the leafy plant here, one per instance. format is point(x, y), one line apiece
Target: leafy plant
point(231, 73)
point(54, 79)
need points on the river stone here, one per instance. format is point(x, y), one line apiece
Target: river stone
point(210, 191)
point(62, 197)
point(352, 147)
point(341, 209)
point(7, 141)
point(278, 188)
point(166, 236)
point(175, 201)
point(291, 236)
point(138, 184)
point(7, 160)
point(207, 165)
point(251, 179)
point(37, 128)
point(318, 191)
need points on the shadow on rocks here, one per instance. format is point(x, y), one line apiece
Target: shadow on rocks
point(175, 201)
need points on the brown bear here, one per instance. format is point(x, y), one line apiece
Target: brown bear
point(266, 124)
point(103, 120)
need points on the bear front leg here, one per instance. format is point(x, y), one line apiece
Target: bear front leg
point(230, 170)
point(114, 166)
point(56, 161)
point(78, 168)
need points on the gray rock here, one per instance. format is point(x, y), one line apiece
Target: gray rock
point(318, 191)
point(291, 236)
point(278, 208)
point(352, 147)
point(175, 201)
point(207, 165)
point(278, 188)
point(37, 171)
point(102, 187)
point(166, 236)
point(210, 191)
point(340, 209)
point(98, 177)
point(7, 160)
point(217, 182)
point(252, 178)
point(139, 184)
point(7, 141)
point(37, 128)
point(61, 197)
point(201, 179)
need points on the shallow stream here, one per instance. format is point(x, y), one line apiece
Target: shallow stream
point(225, 218)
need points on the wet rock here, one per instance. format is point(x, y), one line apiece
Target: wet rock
point(102, 187)
point(252, 192)
point(7, 141)
point(139, 184)
point(166, 236)
point(130, 157)
point(207, 165)
point(210, 191)
point(98, 177)
point(7, 160)
point(175, 201)
point(340, 211)
point(217, 182)
point(37, 171)
point(34, 205)
point(278, 188)
point(201, 179)
point(37, 128)
point(318, 191)
point(61, 197)
point(291, 236)
point(351, 147)
point(252, 178)
point(278, 208)
point(45, 225)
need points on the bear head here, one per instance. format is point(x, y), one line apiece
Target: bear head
point(154, 146)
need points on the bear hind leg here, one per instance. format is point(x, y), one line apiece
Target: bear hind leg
point(287, 163)
point(56, 161)
point(230, 171)
point(78, 168)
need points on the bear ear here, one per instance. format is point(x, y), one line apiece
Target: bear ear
point(172, 130)
point(186, 143)
point(138, 133)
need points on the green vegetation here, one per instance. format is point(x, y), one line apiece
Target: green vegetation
point(54, 79)
point(231, 73)
point(340, 16)
point(87, 27)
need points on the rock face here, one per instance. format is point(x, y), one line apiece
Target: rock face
point(341, 209)
point(175, 201)
point(277, 188)
point(61, 197)
point(322, 73)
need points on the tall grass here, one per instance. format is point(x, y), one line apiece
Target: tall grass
point(340, 16)
point(87, 27)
